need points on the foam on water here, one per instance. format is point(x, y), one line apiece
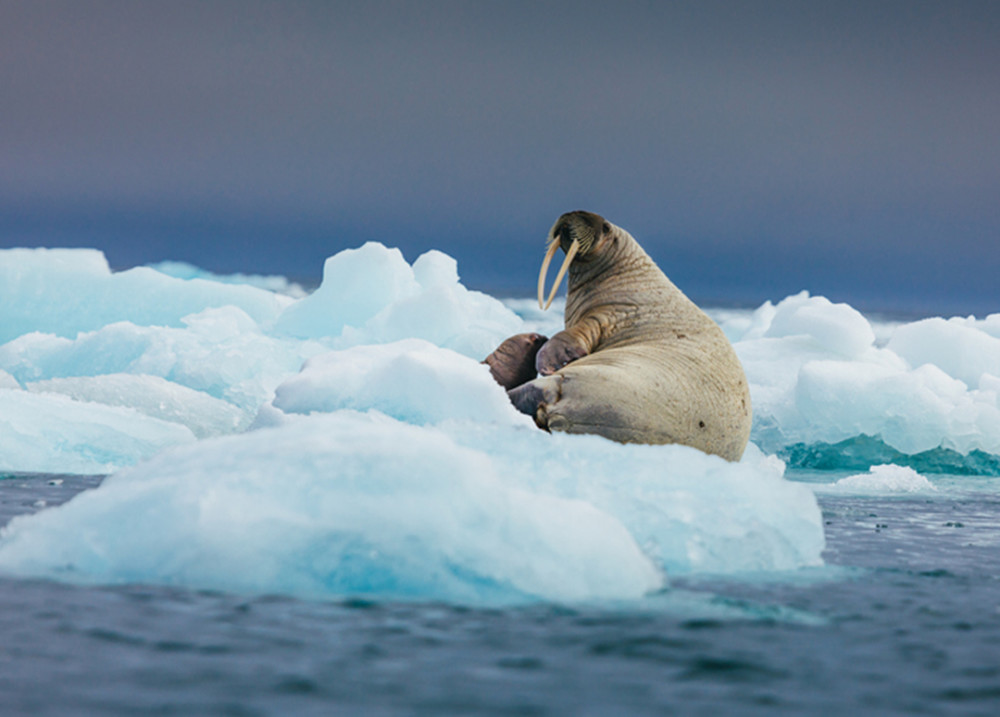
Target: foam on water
point(351, 442)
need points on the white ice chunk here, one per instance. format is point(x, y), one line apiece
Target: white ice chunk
point(357, 284)
point(351, 503)
point(152, 396)
point(278, 284)
point(412, 380)
point(66, 291)
point(880, 480)
point(835, 328)
point(371, 295)
point(342, 504)
point(959, 347)
point(222, 352)
point(815, 377)
point(669, 497)
point(55, 434)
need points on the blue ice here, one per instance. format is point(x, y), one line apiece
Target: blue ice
point(350, 442)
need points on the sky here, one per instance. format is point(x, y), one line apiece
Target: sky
point(754, 149)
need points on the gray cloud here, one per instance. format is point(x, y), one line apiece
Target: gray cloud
point(745, 127)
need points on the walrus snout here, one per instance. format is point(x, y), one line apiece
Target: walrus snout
point(577, 233)
point(580, 226)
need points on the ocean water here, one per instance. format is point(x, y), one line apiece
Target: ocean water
point(226, 495)
point(903, 618)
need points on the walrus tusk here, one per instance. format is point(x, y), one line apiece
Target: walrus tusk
point(573, 249)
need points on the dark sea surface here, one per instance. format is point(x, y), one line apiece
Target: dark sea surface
point(904, 619)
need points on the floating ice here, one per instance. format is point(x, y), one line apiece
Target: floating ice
point(277, 284)
point(965, 349)
point(55, 434)
point(222, 352)
point(881, 480)
point(371, 295)
point(66, 291)
point(412, 380)
point(152, 396)
point(817, 377)
point(65, 315)
point(351, 503)
point(383, 460)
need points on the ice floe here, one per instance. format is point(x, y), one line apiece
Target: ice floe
point(349, 441)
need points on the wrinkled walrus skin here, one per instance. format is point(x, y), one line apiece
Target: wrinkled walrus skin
point(638, 362)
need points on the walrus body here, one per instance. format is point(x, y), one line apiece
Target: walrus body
point(638, 362)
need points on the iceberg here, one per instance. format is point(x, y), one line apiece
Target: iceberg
point(819, 378)
point(271, 282)
point(351, 442)
point(412, 380)
point(371, 295)
point(882, 480)
point(66, 291)
point(363, 504)
point(56, 434)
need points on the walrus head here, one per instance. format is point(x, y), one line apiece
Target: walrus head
point(577, 233)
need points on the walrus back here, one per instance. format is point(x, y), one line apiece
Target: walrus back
point(662, 371)
point(656, 393)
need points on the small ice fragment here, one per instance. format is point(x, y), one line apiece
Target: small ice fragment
point(885, 479)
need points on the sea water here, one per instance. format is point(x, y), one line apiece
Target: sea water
point(233, 499)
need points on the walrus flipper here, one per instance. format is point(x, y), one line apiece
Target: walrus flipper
point(561, 349)
point(513, 361)
point(533, 398)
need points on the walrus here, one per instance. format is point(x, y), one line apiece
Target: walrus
point(638, 362)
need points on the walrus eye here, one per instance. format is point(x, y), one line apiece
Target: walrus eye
point(606, 228)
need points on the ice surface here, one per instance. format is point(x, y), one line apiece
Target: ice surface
point(965, 349)
point(152, 396)
point(882, 480)
point(412, 380)
point(278, 284)
point(351, 441)
point(817, 376)
point(380, 298)
point(66, 291)
point(67, 316)
point(352, 503)
point(222, 352)
point(55, 434)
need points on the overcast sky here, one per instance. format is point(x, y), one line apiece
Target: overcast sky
point(754, 148)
